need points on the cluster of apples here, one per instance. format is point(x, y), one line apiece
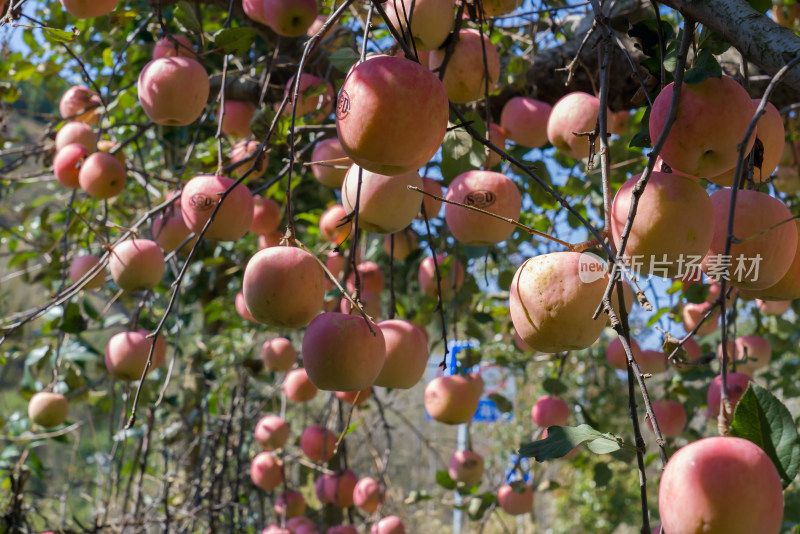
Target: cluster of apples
point(552, 308)
point(81, 160)
point(342, 488)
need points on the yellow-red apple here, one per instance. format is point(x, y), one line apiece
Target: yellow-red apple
point(465, 75)
point(48, 409)
point(385, 204)
point(127, 352)
point(574, 113)
point(136, 264)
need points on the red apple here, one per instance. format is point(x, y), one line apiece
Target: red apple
point(81, 104)
point(298, 387)
point(671, 417)
point(370, 276)
point(432, 206)
point(332, 173)
point(339, 488)
point(311, 100)
point(573, 113)
point(515, 499)
point(271, 432)
point(788, 287)
point(201, 195)
point(696, 144)
point(318, 443)
point(466, 466)
point(278, 355)
point(405, 242)
point(243, 150)
point(406, 354)
point(737, 384)
point(524, 121)
point(127, 352)
point(430, 20)
point(333, 225)
point(266, 215)
point(290, 503)
point(721, 484)
point(497, 136)
point(489, 191)
point(391, 524)
point(67, 165)
point(773, 307)
point(694, 313)
point(615, 354)
point(342, 352)
point(289, 18)
point(266, 471)
point(771, 138)
point(369, 301)
point(76, 132)
point(771, 252)
point(550, 411)
point(453, 399)
point(674, 221)
point(284, 286)
point(102, 176)
point(83, 264)
point(368, 494)
point(451, 272)
point(652, 362)
point(136, 264)
point(174, 45)
point(48, 409)
point(173, 91)
point(89, 9)
point(237, 117)
point(241, 307)
point(355, 398)
point(392, 115)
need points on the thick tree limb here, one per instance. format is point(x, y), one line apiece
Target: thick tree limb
point(760, 40)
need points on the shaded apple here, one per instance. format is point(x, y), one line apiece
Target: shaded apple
point(385, 204)
point(266, 471)
point(465, 75)
point(451, 272)
point(318, 443)
point(81, 265)
point(524, 121)
point(48, 409)
point(278, 355)
point(271, 432)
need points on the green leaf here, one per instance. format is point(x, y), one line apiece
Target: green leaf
point(54, 35)
point(562, 439)
point(761, 418)
point(760, 5)
point(654, 319)
point(641, 139)
point(444, 480)
point(186, 17)
point(343, 59)
point(502, 403)
point(235, 40)
point(602, 474)
point(706, 66)
point(108, 57)
point(72, 322)
point(554, 386)
point(479, 505)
